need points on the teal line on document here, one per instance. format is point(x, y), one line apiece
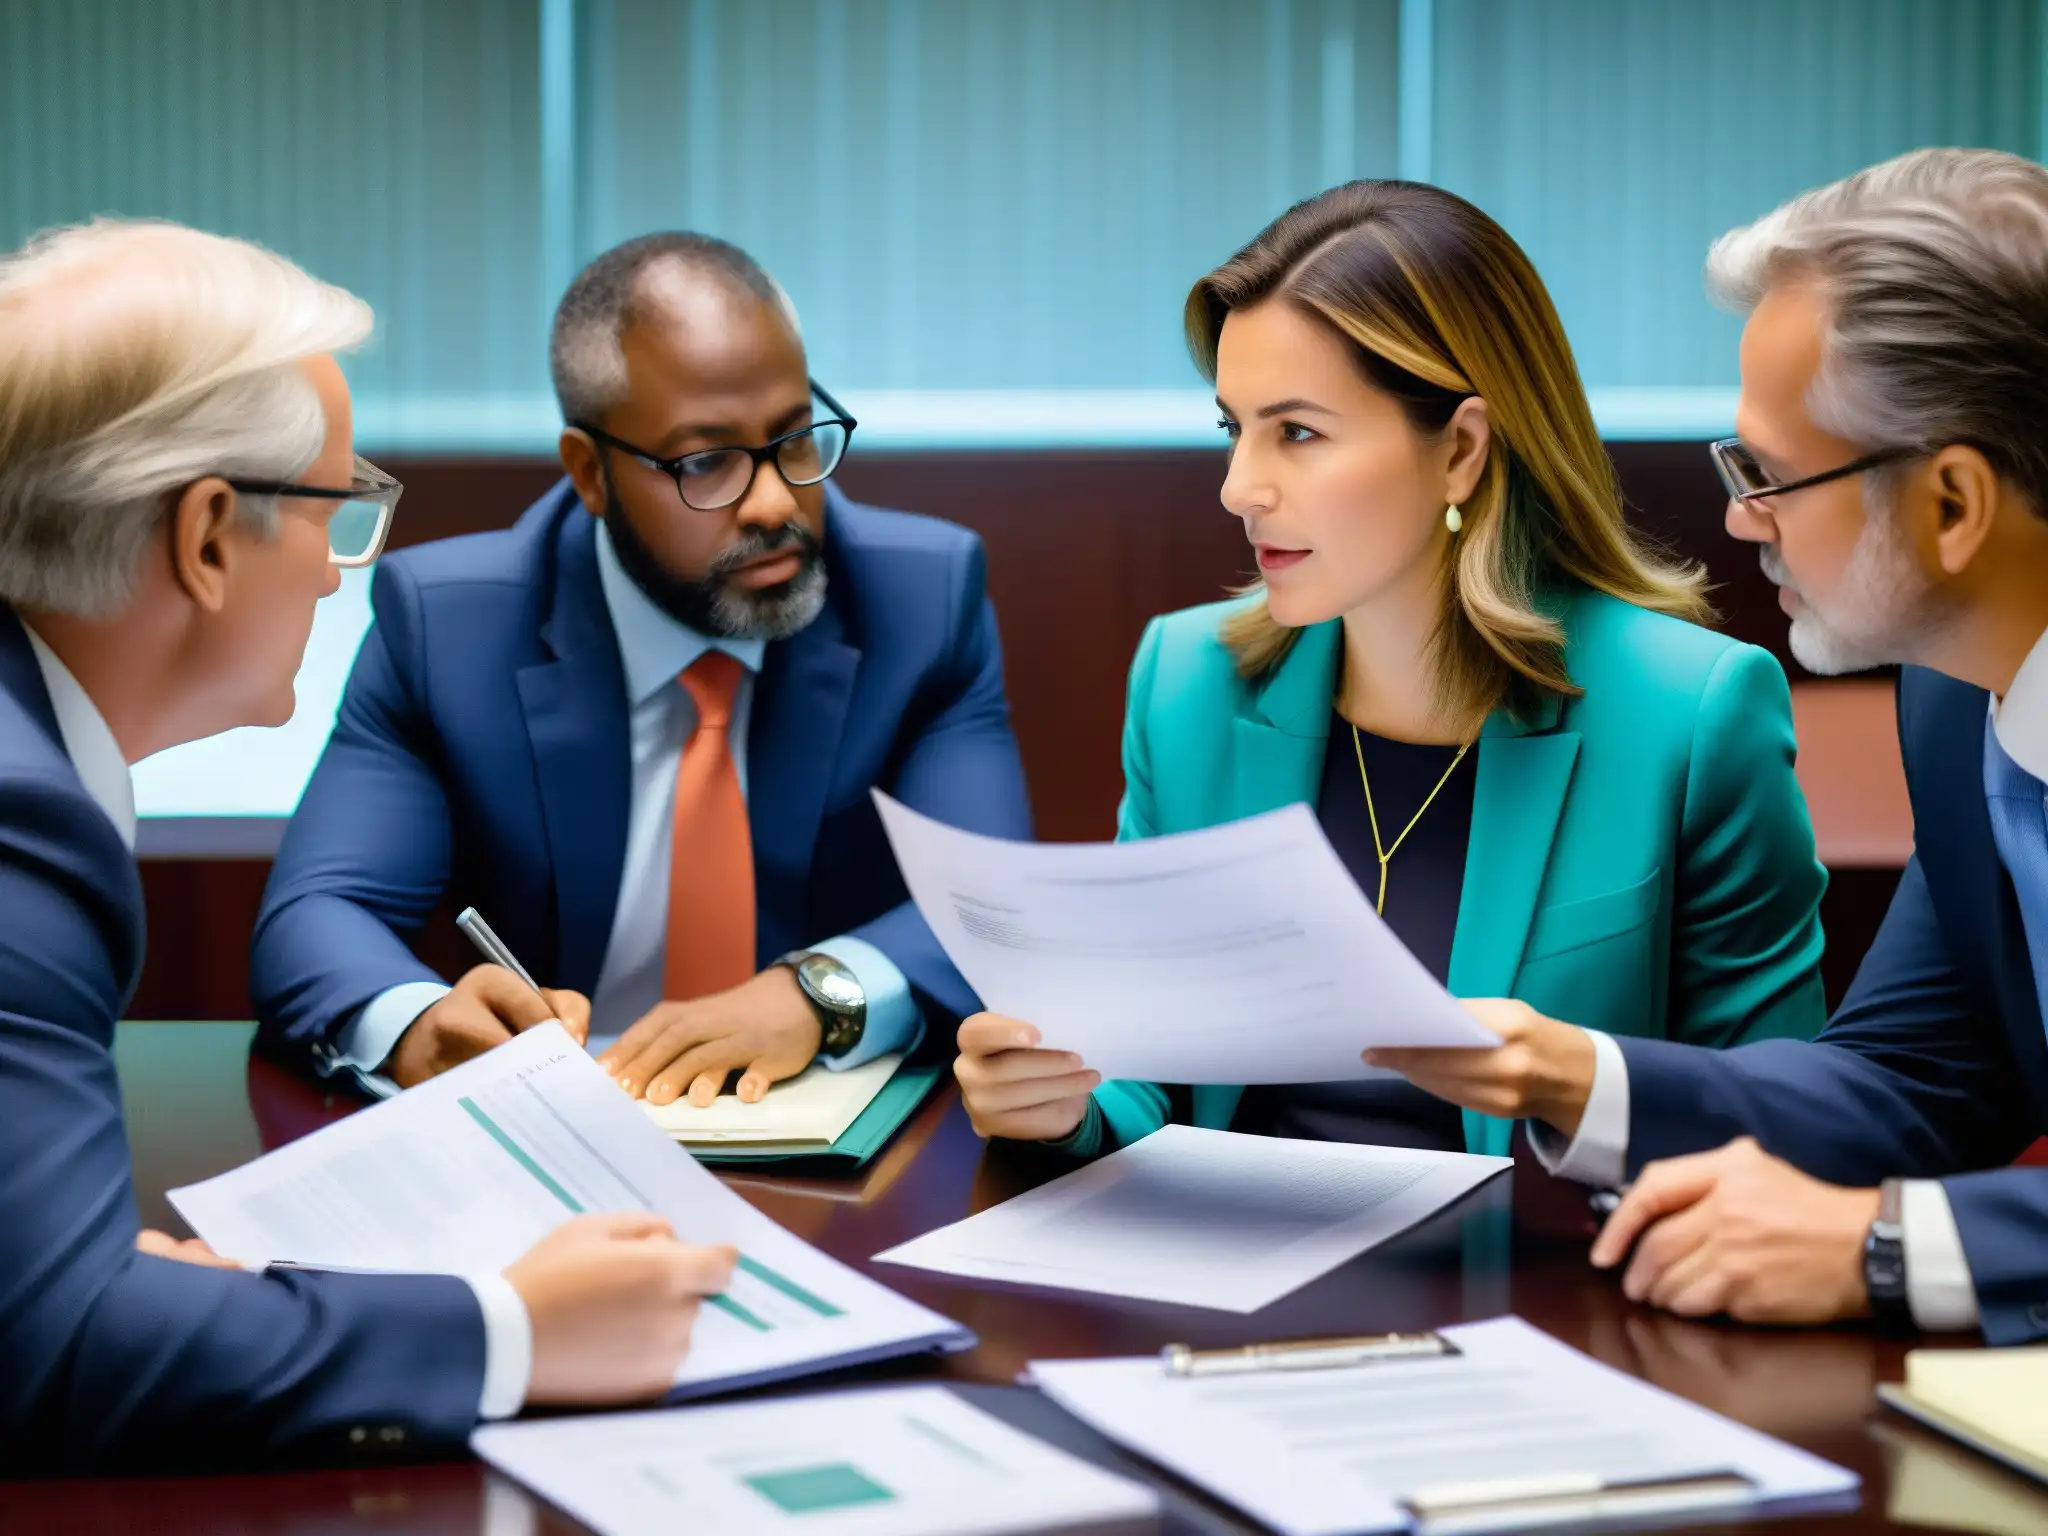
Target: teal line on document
point(520, 1155)
point(732, 1308)
point(957, 1446)
point(789, 1288)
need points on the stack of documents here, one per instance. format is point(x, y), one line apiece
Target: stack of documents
point(1995, 1400)
point(467, 1171)
point(1511, 1430)
point(1203, 1218)
point(913, 1461)
point(1243, 953)
point(803, 1116)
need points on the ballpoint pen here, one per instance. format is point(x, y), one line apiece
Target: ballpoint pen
point(493, 949)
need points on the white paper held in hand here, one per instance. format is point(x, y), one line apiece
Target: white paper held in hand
point(464, 1173)
point(1243, 953)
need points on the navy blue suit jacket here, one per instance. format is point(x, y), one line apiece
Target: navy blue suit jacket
point(110, 1359)
point(1935, 1066)
point(482, 756)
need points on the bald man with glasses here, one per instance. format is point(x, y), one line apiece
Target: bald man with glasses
point(640, 730)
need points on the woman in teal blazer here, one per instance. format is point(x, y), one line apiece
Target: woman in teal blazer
point(1561, 789)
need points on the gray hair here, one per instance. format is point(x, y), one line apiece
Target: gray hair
point(135, 358)
point(584, 356)
point(1934, 269)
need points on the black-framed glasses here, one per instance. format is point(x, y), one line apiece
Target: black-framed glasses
point(1745, 479)
point(713, 479)
point(359, 526)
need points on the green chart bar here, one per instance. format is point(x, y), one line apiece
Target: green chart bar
point(519, 1154)
point(732, 1308)
point(789, 1288)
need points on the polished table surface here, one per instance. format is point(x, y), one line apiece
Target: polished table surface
point(198, 1105)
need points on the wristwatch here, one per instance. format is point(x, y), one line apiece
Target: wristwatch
point(1884, 1262)
point(834, 991)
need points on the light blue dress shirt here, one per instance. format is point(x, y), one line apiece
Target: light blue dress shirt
point(655, 649)
point(2018, 806)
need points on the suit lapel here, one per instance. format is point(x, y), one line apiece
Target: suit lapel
point(1277, 746)
point(799, 714)
point(1524, 771)
point(577, 723)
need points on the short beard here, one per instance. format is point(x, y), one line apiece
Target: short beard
point(710, 604)
point(1883, 610)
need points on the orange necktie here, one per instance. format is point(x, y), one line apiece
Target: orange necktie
point(711, 861)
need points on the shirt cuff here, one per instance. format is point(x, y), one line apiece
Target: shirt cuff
point(1598, 1154)
point(893, 1022)
point(508, 1346)
point(367, 1041)
point(1938, 1285)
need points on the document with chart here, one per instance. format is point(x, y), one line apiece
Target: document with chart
point(465, 1172)
point(902, 1461)
point(1243, 953)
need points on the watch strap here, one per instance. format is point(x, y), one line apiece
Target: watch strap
point(1884, 1262)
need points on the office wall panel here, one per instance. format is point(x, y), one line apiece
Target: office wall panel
point(975, 195)
point(1616, 138)
point(389, 145)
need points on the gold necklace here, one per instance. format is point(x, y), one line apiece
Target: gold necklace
point(1385, 853)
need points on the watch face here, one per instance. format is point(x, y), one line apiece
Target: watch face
point(833, 983)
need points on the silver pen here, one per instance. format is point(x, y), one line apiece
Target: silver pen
point(493, 949)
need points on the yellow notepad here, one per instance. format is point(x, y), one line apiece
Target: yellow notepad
point(805, 1113)
point(1995, 1400)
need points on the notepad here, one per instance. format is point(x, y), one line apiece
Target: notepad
point(803, 1114)
point(1994, 1400)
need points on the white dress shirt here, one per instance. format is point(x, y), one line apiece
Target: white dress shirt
point(655, 650)
point(1938, 1285)
point(103, 770)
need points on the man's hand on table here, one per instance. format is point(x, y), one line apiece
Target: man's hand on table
point(486, 1008)
point(765, 1025)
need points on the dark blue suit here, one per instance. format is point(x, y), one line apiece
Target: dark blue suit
point(109, 1359)
point(1934, 1067)
point(482, 756)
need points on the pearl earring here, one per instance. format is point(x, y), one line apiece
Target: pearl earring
point(1453, 518)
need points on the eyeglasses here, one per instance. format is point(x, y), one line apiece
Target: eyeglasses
point(1745, 479)
point(356, 531)
point(716, 478)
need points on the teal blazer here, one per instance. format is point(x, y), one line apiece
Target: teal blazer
point(1641, 861)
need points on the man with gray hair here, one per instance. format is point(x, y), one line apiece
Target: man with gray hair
point(1892, 466)
point(177, 490)
point(642, 729)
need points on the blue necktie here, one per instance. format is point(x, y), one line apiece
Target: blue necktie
point(2019, 828)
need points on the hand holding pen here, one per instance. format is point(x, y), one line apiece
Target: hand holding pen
point(488, 1006)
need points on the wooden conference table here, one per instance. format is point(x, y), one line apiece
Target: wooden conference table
point(197, 1106)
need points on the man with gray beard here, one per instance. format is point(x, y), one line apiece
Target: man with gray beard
point(1892, 467)
point(640, 728)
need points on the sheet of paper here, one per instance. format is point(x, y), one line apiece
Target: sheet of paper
point(1319, 1453)
point(807, 1112)
point(907, 1461)
point(468, 1170)
point(1240, 954)
point(1202, 1218)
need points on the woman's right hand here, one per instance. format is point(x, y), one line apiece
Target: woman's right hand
point(1015, 1090)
